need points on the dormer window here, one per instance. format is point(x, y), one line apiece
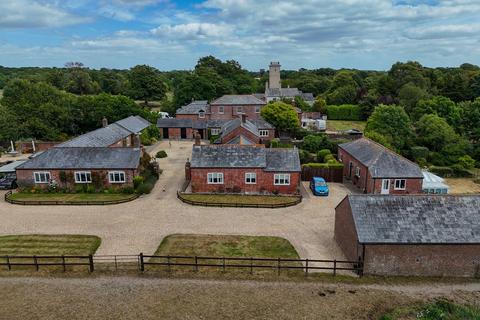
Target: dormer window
point(201, 114)
point(221, 109)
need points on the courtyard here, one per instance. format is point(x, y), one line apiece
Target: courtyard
point(141, 225)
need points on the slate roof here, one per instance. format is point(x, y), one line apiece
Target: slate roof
point(421, 219)
point(381, 161)
point(85, 158)
point(242, 140)
point(134, 124)
point(282, 92)
point(239, 99)
point(261, 124)
point(102, 137)
point(174, 123)
point(236, 156)
point(307, 96)
point(235, 123)
point(194, 107)
point(216, 123)
point(11, 166)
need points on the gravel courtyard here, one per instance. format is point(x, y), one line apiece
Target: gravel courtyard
point(140, 225)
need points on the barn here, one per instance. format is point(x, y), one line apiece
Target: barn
point(411, 235)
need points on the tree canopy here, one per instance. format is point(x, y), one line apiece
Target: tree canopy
point(281, 115)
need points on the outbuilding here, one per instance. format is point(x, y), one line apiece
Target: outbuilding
point(411, 235)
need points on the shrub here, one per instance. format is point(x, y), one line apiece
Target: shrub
point(145, 188)
point(315, 143)
point(127, 190)
point(322, 153)
point(331, 165)
point(161, 154)
point(418, 152)
point(344, 112)
point(460, 171)
point(138, 181)
point(329, 157)
point(466, 162)
point(305, 156)
point(274, 143)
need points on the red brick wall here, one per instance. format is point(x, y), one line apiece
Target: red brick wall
point(236, 178)
point(230, 112)
point(25, 177)
point(369, 185)
point(241, 131)
point(422, 260)
point(192, 116)
point(345, 233)
point(176, 133)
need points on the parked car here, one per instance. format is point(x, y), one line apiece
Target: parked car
point(8, 181)
point(319, 186)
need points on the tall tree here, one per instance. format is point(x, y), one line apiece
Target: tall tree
point(281, 115)
point(146, 83)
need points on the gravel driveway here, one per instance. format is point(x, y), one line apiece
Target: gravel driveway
point(140, 225)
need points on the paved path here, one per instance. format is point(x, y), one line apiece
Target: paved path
point(140, 225)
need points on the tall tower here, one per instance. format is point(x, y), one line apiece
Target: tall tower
point(274, 75)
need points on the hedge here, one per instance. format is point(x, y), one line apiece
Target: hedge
point(336, 165)
point(344, 112)
point(454, 171)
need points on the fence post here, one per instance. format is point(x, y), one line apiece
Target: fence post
point(223, 264)
point(115, 259)
point(196, 264)
point(251, 265)
point(334, 267)
point(90, 263)
point(8, 264)
point(306, 267)
point(35, 262)
point(278, 267)
point(142, 265)
point(168, 263)
point(63, 263)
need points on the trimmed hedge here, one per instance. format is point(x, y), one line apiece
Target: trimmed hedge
point(161, 154)
point(330, 165)
point(454, 171)
point(344, 112)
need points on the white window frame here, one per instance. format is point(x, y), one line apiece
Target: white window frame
point(201, 114)
point(357, 171)
point(38, 174)
point(112, 176)
point(257, 109)
point(250, 178)
point(221, 109)
point(400, 184)
point(263, 133)
point(281, 179)
point(83, 177)
point(215, 131)
point(239, 109)
point(212, 176)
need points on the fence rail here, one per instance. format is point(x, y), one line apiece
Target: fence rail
point(66, 203)
point(143, 262)
point(297, 200)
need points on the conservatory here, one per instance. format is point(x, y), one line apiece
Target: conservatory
point(434, 184)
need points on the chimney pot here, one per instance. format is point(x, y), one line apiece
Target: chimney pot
point(197, 138)
point(104, 122)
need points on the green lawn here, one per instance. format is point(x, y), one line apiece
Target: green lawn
point(341, 125)
point(440, 309)
point(237, 198)
point(227, 246)
point(48, 245)
point(20, 196)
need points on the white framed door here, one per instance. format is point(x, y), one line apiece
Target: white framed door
point(385, 186)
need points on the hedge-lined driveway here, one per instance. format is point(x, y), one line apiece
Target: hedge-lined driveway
point(140, 225)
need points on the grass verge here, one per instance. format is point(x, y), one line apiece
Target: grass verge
point(440, 309)
point(227, 246)
point(342, 125)
point(240, 199)
point(70, 197)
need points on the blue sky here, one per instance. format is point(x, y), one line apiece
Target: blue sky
point(365, 34)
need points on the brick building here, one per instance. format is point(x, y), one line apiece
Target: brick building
point(375, 169)
point(71, 167)
point(243, 169)
point(245, 132)
point(411, 235)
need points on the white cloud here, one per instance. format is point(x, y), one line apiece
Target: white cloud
point(34, 14)
point(193, 31)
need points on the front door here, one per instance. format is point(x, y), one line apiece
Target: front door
point(165, 133)
point(183, 133)
point(385, 186)
point(350, 167)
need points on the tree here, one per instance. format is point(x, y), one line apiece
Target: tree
point(342, 95)
point(281, 115)
point(320, 105)
point(146, 83)
point(409, 95)
point(314, 143)
point(441, 106)
point(393, 123)
point(79, 82)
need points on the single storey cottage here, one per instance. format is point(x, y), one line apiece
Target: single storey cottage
point(411, 235)
point(378, 170)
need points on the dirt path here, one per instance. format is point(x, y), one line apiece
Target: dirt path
point(153, 298)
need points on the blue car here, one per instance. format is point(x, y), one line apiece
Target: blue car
point(319, 186)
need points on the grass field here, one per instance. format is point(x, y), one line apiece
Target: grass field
point(244, 199)
point(100, 197)
point(462, 185)
point(341, 125)
point(48, 245)
point(440, 309)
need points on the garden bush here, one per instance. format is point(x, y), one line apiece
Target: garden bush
point(305, 156)
point(332, 165)
point(161, 154)
point(344, 112)
point(314, 143)
point(322, 153)
point(138, 181)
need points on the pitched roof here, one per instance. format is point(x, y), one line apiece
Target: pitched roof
point(216, 123)
point(236, 156)
point(134, 124)
point(194, 107)
point(381, 161)
point(282, 92)
point(235, 123)
point(422, 219)
point(261, 124)
point(174, 123)
point(242, 140)
point(85, 158)
point(11, 166)
point(238, 99)
point(102, 137)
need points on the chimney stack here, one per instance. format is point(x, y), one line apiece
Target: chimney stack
point(104, 122)
point(243, 117)
point(136, 141)
point(197, 138)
